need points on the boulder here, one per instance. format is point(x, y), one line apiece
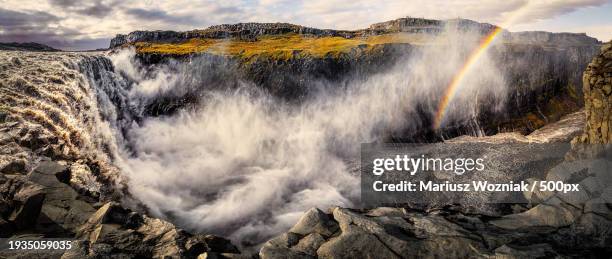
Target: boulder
point(354, 242)
point(113, 229)
point(378, 233)
point(29, 204)
point(315, 221)
point(310, 244)
point(16, 166)
point(542, 215)
point(62, 212)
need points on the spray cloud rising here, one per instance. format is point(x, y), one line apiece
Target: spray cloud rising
point(245, 165)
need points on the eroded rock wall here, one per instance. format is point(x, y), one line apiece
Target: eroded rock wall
point(597, 86)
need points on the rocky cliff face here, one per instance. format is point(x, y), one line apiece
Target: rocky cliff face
point(250, 31)
point(544, 83)
point(543, 69)
point(548, 38)
point(242, 31)
point(597, 85)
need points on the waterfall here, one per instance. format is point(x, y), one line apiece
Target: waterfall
point(214, 153)
point(241, 163)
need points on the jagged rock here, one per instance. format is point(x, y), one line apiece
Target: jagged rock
point(542, 215)
point(391, 234)
point(113, 230)
point(310, 244)
point(551, 229)
point(30, 199)
point(279, 247)
point(315, 221)
point(250, 31)
point(16, 166)
point(354, 242)
point(62, 212)
point(46, 174)
point(597, 85)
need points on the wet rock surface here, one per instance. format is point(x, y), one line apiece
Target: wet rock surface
point(57, 180)
point(40, 203)
point(547, 225)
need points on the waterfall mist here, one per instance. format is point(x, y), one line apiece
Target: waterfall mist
point(246, 165)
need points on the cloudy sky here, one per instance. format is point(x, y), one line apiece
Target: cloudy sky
point(82, 24)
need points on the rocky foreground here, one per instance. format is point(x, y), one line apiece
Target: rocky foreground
point(550, 225)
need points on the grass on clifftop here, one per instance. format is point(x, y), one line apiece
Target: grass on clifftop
point(280, 46)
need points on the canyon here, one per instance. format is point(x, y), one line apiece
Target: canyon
point(169, 143)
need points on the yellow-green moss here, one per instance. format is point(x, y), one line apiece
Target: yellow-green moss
point(277, 46)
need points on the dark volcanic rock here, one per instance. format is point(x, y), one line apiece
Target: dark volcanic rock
point(550, 225)
point(543, 71)
point(549, 38)
point(25, 46)
point(597, 85)
point(29, 201)
point(244, 31)
point(539, 93)
point(402, 233)
point(55, 180)
point(250, 31)
point(113, 230)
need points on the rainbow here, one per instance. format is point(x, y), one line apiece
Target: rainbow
point(455, 83)
point(452, 88)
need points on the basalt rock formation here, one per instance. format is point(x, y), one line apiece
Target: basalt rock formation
point(250, 31)
point(597, 87)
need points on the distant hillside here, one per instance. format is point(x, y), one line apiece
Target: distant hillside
point(403, 30)
point(26, 46)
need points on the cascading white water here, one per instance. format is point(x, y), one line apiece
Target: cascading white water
point(240, 163)
point(244, 165)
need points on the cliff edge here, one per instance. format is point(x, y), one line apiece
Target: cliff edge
point(597, 88)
